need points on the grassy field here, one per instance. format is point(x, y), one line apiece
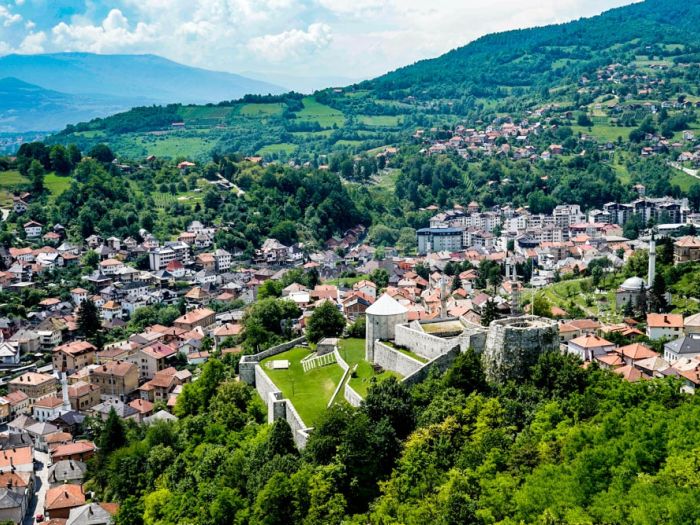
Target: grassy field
point(9, 180)
point(272, 149)
point(604, 132)
point(56, 184)
point(347, 282)
point(380, 120)
point(576, 292)
point(683, 180)
point(309, 391)
point(314, 111)
point(175, 145)
point(191, 114)
point(262, 110)
point(353, 351)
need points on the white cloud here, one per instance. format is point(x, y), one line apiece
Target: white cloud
point(33, 43)
point(112, 35)
point(349, 38)
point(9, 18)
point(292, 43)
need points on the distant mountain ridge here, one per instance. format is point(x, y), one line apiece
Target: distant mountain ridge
point(28, 107)
point(83, 86)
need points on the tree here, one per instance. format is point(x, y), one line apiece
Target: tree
point(657, 295)
point(74, 155)
point(60, 161)
point(212, 200)
point(101, 153)
point(325, 321)
point(489, 312)
point(88, 319)
point(36, 175)
point(541, 306)
point(390, 400)
point(113, 434)
point(90, 260)
point(467, 373)
point(380, 277)
point(358, 328)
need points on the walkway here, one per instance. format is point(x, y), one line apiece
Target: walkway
point(41, 485)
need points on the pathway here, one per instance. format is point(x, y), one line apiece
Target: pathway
point(687, 171)
point(42, 461)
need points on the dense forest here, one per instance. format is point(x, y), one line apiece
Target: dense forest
point(566, 445)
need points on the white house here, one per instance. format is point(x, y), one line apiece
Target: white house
point(660, 326)
point(9, 353)
point(587, 347)
point(32, 229)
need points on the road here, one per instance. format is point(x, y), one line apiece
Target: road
point(687, 171)
point(41, 485)
point(5, 213)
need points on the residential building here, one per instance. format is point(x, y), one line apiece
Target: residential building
point(73, 356)
point(686, 249)
point(77, 451)
point(439, 239)
point(116, 379)
point(687, 346)
point(83, 395)
point(588, 347)
point(152, 359)
point(660, 326)
point(199, 317)
point(33, 229)
point(60, 500)
point(35, 385)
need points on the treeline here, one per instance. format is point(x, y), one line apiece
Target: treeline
point(565, 445)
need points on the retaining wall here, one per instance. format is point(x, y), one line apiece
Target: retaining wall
point(278, 407)
point(246, 367)
point(351, 396)
point(441, 363)
point(390, 359)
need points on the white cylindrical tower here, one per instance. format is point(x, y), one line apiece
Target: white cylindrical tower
point(382, 318)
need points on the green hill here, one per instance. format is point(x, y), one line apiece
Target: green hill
point(505, 73)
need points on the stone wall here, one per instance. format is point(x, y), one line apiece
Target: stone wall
point(299, 430)
point(515, 344)
point(277, 406)
point(441, 363)
point(351, 396)
point(390, 359)
point(430, 346)
point(246, 367)
point(425, 345)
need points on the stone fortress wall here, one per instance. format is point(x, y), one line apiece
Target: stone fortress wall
point(278, 407)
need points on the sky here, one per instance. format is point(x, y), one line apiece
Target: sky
point(343, 39)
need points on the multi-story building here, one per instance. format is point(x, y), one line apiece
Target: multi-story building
point(199, 317)
point(116, 379)
point(439, 239)
point(686, 249)
point(34, 385)
point(73, 356)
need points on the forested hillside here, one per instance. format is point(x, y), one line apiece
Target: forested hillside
point(566, 445)
point(507, 73)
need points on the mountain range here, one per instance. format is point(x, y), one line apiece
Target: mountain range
point(47, 92)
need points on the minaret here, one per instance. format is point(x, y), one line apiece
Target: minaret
point(64, 387)
point(443, 296)
point(652, 261)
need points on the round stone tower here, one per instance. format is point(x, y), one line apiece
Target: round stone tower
point(382, 318)
point(514, 344)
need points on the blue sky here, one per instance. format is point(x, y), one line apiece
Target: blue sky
point(308, 38)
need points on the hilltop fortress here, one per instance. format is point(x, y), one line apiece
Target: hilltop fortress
point(508, 346)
